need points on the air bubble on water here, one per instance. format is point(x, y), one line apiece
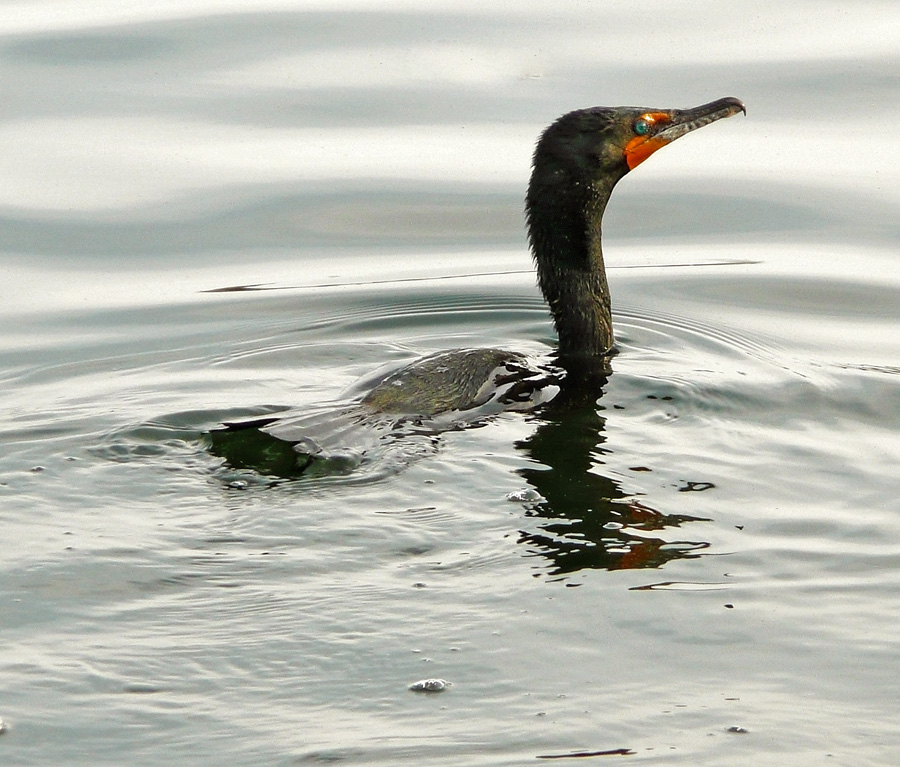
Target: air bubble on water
point(429, 685)
point(524, 495)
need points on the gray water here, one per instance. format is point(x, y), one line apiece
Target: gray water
point(702, 571)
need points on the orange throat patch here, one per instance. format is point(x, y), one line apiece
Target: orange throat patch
point(641, 147)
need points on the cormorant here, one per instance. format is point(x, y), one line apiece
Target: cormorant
point(577, 162)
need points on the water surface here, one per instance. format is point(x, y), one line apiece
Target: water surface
point(703, 569)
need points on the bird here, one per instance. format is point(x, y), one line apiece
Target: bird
point(577, 162)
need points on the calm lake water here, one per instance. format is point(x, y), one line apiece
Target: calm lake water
point(705, 570)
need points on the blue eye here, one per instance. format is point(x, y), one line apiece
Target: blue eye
point(642, 127)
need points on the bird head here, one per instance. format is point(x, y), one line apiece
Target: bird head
point(602, 144)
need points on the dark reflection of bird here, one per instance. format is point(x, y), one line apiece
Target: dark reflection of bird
point(582, 517)
point(577, 163)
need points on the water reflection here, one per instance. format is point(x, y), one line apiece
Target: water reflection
point(588, 521)
point(583, 518)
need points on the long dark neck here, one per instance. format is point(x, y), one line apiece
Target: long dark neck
point(564, 228)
